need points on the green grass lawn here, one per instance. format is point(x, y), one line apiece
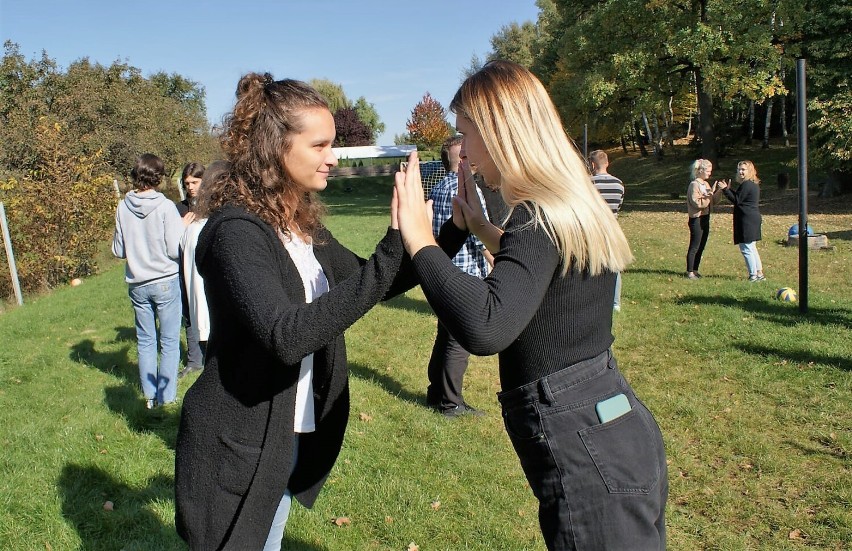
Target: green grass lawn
point(752, 397)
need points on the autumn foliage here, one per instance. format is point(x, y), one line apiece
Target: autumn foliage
point(59, 213)
point(428, 127)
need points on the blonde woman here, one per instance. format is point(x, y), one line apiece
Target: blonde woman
point(591, 451)
point(700, 196)
point(747, 220)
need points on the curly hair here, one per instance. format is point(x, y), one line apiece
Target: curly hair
point(148, 171)
point(256, 136)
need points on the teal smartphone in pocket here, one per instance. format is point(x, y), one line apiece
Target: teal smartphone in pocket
point(612, 408)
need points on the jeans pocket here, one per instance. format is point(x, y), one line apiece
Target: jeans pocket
point(238, 463)
point(626, 452)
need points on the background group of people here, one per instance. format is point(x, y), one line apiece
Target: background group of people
point(158, 237)
point(264, 422)
point(700, 198)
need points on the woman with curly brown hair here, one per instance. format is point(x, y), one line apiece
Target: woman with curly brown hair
point(264, 422)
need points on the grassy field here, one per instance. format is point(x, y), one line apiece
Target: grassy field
point(752, 397)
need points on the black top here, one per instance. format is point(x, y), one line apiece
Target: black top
point(235, 440)
point(537, 320)
point(746, 199)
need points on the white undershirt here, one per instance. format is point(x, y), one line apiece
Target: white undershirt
point(316, 285)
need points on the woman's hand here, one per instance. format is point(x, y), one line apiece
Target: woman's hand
point(414, 215)
point(467, 201)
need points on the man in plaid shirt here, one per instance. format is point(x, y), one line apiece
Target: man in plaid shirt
point(449, 360)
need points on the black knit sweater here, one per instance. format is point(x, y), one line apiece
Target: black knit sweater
point(235, 441)
point(536, 319)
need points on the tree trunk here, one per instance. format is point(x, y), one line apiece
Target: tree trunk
point(765, 144)
point(750, 122)
point(784, 121)
point(670, 123)
point(624, 144)
point(706, 129)
point(652, 139)
point(658, 138)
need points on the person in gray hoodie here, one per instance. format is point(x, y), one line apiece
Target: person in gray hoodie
point(148, 229)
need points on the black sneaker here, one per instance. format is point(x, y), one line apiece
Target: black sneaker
point(461, 410)
point(189, 369)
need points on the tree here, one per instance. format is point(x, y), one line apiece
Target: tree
point(351, 131)
point(332, 92)
point(370, 117)
point(428, 126)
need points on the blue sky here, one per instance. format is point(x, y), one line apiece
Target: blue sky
point(390, 52)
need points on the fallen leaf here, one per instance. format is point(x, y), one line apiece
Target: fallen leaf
point(795, 534)
point(108, 505)
point(341, 521)
point(389, 520)
point(99, 437)
point(413, 547)
point(436, 505)
point(103, 452)
point(366, 418)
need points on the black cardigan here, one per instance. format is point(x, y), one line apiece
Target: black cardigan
point(235, 440)
point(538, 320)
point(746, 199)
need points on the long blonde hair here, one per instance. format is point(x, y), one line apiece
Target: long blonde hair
point(751, 172)
point(540, 167)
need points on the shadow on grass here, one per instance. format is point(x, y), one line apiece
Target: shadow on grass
point(797, 356)
point(776, 311)
point(84, 489)
point(404, 302)
point(391, 385)
point(125, 399)
point(844, 234)
point(825, 447)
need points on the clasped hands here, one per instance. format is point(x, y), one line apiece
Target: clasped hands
point(412, 214)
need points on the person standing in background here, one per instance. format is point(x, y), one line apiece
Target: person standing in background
point(747, 219)
point(612, 190)
point(700, 196)
point(190, 181)
point(449, 360)
point(198, 328)
point(148, 229)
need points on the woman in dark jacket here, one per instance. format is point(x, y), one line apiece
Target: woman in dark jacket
point(746, 199)
point(265, 420)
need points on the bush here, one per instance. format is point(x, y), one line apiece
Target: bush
point(60, 213)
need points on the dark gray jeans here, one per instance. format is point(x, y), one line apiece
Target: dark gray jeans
point(599, 486)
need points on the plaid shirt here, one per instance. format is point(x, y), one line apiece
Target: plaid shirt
point(470, 258)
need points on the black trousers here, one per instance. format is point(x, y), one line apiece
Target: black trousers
point(699, 231)
point(447, 366)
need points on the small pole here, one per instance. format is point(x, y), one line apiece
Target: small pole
point(7, 240)
point(802, 137)
point(585, 141)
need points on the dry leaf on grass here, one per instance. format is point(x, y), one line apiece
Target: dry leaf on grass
point(435, 505)
point(109, 506)
point(412, 547)
point(341, 521)
point(366, 418)
point(795, 534)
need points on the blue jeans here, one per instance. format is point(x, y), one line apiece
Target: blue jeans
point(279, 521)
point(153, 302)
point(616, 301)
point(599, 486)
point(752, 258)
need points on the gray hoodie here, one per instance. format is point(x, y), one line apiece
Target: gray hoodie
point(148, 229)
